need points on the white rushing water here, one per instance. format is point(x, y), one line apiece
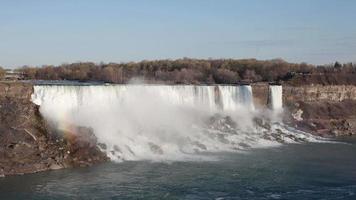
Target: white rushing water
point(276, 97)
point(235, 98)
point(162, 122)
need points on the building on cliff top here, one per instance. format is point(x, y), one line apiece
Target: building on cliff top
point(12, 75)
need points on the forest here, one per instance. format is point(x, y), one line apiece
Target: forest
point(198, 71)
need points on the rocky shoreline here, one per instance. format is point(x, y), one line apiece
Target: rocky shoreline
point(28, 145)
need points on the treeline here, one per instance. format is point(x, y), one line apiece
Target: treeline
point(336, 74)
point(189, 71)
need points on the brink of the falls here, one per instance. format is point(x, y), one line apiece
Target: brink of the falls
point(164, 122)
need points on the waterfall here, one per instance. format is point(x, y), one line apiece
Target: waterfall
point(276, 97)
point(246, 96)
point(158, 122)
point(236, 97)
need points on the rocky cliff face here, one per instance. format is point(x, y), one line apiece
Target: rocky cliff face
point(318, 93)
point(324, 110)
point(28, 145)
point(260, 95)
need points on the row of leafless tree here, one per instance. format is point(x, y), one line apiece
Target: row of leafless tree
point(194, 71)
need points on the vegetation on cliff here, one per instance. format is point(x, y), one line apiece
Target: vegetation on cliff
point(197, 71)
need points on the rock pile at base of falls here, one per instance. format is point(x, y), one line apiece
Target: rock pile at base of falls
point(27, 144)
point(262, 128)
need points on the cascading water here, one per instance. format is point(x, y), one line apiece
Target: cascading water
point(236, 98)
point(276, 97)
point(246, 96)
point(161, 122)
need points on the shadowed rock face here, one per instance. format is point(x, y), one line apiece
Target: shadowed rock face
point(325, 118)
point(27, 145)
point(325, 110)
point(260, 95)
point(317, 93)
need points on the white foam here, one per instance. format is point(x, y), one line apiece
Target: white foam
point(157, 122)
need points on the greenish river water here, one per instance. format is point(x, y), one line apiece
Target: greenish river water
point(293, 171)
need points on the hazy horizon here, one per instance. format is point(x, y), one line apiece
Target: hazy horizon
point(41, 32)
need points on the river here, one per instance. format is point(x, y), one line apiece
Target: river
point(292, 171)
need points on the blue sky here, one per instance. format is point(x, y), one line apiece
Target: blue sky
point(36, 32)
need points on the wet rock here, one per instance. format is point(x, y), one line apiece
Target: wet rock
point(117, 149)
point(155, 148)
point(2, 173)
point(222, 123)
point(260, 122)
point(222, 139)
point(298, 115)
point(200, 145)
point(55, 167)
point(102, 146)
point(130, 150)
point(244, 145)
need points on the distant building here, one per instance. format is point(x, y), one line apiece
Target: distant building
point(13, 75)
